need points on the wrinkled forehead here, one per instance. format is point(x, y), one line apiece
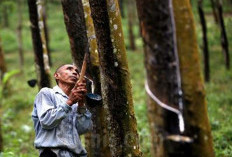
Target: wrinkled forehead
point(65, 66)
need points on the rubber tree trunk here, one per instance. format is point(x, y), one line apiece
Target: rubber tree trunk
point(195, 108)
point(2, 71)
point(215, 14)
point(115, 79)
point(19, 35)
point(1, 140)
point(40, 59)
point(75, 26)
point(131, 19)
point(163, 78)
point(40, 10)
point(205, 41)
point(2, 62)
point(97, 142)
point(46, 31)
point(224, 39)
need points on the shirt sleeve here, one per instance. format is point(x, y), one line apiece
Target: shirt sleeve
point(49, 115)
point(84, 123)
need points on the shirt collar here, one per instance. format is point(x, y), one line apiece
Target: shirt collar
point(57, 89)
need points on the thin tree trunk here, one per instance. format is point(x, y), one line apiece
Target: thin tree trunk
point(40, 10)
point(215, 15)
point(131, 18)
point(163, 78)
point(224, 40)
point(19, 35)
point(2, 62)
point(115, 82)
point(195, 108)
point(97, 142)
point(46, 31)
point(1, 140)
point(205, 41)
point(2, 71)
point(42, 69)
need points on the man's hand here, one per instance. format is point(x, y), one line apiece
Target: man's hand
point(77, 94)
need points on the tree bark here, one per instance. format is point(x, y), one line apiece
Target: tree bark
point(19, 35)
point(76, 28)
point(163, 78)
point(205, 41)
point(224, 40)
point(97, 141)
point(42, 69)
point(46, 31)
point(215, 15)
point(115, 82)
point(40, 10)
point(1, 140)
point(2, 62)
point(131, 18)
point(195, 108)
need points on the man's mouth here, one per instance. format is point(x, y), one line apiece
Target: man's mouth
point(73, 77)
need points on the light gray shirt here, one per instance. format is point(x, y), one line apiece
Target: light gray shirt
point(58, 125)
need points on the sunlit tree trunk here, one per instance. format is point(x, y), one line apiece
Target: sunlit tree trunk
point(195, 109)
point(40, 10)
point(46, 31)
point(205, 41)
point(115, 79)
point(224, 40)
point(131, 19)
point(19, 35)
point(76, 28)
point(41, 59)
point(97, 143)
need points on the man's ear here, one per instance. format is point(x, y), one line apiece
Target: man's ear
point(56, 75)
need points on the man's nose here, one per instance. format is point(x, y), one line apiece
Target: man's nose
point(74, 72)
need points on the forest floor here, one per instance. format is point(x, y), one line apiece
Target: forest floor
point(17, 103)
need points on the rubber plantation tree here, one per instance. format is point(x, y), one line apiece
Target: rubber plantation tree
point(2, 71)
point(2, 62)
point(76, 28)
point(46, 31)
point(176, 105)
point(96, 141)
point(19, 34)
point(205, 41)
point(115, 79)
point(224, 39)
point(195, 109)
point(131, 18)
point(41, 58)
point(215, 15)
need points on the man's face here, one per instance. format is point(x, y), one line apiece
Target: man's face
point(67, 74)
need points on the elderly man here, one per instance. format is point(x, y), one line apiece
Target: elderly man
point(59, 119)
